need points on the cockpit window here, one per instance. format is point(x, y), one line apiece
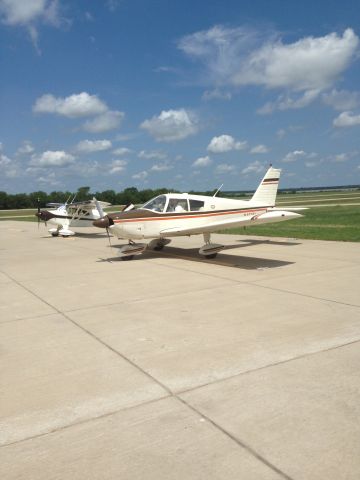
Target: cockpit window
point(177, 205)
point(157, 204)
point(196, 205)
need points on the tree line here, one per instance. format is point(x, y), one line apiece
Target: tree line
point(40, 198)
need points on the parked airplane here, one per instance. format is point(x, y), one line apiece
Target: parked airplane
point(178, 214)
point(74, 214)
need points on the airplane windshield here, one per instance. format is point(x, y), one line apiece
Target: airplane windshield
point(157, 204)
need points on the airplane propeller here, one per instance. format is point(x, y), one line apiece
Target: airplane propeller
point(103, 221)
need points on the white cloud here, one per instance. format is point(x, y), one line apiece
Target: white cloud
point(308, 64)
point(223, 168)
point(152, 155)
point(161, 167)
point(118, 166)
point(140, 176)
point(225, 143)
point(254, 167)
point(29, 14)
point(347, 119)
point(23, 12)
point(286, 102)
point(242, 56)
point(171, 125)
point(202, 162)
point(4, 160)
point(293, 156)
point(344, 157)
point(26, 148)
point(91, 146)
point(77, 105)
point(104, 122)
point(51, 158)
point(342, 100)
point(121, 151)
point(259, 149)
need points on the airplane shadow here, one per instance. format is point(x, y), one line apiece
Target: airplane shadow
point(225, 260)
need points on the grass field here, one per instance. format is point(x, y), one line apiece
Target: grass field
point(331, 216)
point(341, 223)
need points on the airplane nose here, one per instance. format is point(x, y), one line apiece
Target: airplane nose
point(102, 222)
point(44, 215)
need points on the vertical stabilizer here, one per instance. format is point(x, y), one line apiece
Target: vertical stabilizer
point(267, 190)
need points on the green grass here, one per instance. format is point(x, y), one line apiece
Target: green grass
point(341, 223)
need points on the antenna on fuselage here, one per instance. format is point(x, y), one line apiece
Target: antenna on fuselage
point(218, 190)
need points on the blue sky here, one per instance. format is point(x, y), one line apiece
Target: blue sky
point(183, 94)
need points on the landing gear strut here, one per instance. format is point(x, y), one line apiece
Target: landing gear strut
point(210, 250)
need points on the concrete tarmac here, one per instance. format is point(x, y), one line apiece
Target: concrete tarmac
point(171, 366)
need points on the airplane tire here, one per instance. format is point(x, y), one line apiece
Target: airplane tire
point(213, 255)
point(158, 248)
point(54, 234)
point(127, 257)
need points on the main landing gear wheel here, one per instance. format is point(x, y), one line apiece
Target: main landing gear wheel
point(213, 255)
point(55, 234)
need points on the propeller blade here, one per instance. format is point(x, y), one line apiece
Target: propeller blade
point(38, 211)
point(99, 208)
point(108, 235)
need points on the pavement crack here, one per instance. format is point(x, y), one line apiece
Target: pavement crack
point(237, 440)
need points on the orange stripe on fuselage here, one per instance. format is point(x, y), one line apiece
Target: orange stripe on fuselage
point(206, 214)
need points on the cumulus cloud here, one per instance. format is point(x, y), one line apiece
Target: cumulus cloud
point(254, 167)
point(30, 14)
point(105, 122)
point(25, 149)
point(23, 12)
point(225, 143)
point(342, 99)
point(140, 176)
point(346, 119)
point(242, 56)
point(259, 149)
point(308, 64)
point(91, 146)
point(152, 155)
point(121, 151)
point(202, 162)
point(73, 106)
point(293, 156)
point(161, 167)
point(171, 125)
point(50, 158)
point(118, 166)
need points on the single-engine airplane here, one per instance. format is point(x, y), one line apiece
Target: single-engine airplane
point(183, 214)
point(74, 214)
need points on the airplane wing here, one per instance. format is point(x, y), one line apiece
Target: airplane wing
point(213, 227)
point(265, 217)
point(88, 204)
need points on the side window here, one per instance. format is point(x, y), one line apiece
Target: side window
point(196, 205)
point(177, 205)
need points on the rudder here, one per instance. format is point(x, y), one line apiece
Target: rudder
point(267, 190)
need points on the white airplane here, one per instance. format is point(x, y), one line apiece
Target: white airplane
point(183, 214)
point(74, 214)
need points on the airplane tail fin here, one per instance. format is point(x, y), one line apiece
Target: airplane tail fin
point(267, 190)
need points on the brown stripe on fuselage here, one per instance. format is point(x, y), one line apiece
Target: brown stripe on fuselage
point(148, 215)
